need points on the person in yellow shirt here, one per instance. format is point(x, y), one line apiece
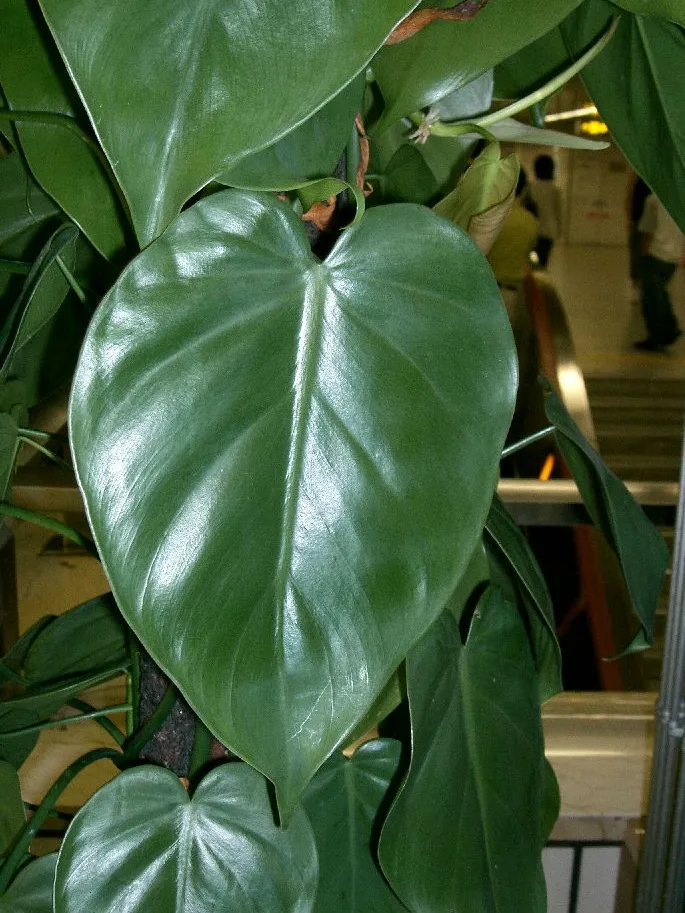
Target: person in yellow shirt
point(509, 256)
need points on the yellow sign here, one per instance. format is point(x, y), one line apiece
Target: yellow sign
point(594, 127)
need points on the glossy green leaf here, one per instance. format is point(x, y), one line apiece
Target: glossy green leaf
point(31, 890)
point(319, 448)
point(532, 66)
point(143, 844)
point(165, 145)
point(639, 546)
point(465, 832)
point(674, 10)
point(448, 55)
point(12, 662)
point(405, 179)
point(42, 295)
point(343, 802)
point(33, 78)
point(25, 211)
point(483, 198)
point(12, 817)
point(35, 705)
point(641, 103)
point(311, 151)
point(513, 550)
point(88, 637)
point(469, 101)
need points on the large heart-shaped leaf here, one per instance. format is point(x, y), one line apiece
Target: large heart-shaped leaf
point(287, 470)
point(639, 546)
point(343, 803)
point(447, 55)
point(641, 103)
point(514, 557)
point(181, 93)
point(78, 642)
point(31, 891)
point(33, 78)
point(465, 834)
point(12, 817)
point(311, 151)
point(143, 844)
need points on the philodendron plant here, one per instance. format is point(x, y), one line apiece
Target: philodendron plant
point(286, 421)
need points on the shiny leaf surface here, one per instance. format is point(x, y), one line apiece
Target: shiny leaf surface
point(464, 834)
point(79, 642)
point(12, 817)
point(448, 55)
point(142, 844)
point(165, 145)
point(639, 546)
point(642, 103)
point(515, 556)
point(33, 78)
point(342, 803)
point(31, 890)
point(311, 151)
point(287, 471)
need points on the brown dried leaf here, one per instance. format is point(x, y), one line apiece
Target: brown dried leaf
point(321, 214)
point(419, 19)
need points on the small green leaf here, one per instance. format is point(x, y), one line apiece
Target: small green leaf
point(42, 295)
point(31, 891)
point(510, 130)
point(12, 662)
point(511, 546)
point(12, 817)
point(35, 705)
point(143, 77)
point(448, 55)
point(464, 832)
point(79, 642)
point(143, 844)
point(483, 198)
point(312, 457)
point(33, 78)
point(639, 546)
point(406, 179)
point(342, 803)
point(642, 103)
point(9, 444)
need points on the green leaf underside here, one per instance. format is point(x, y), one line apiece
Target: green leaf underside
point(37, 704)
point(464, 834)
point(42, 295)
point(342, 803)
point(12, 818)
point(78, 642)
point(516, 558)
point(639, 546)
point(142, 844)
point(311, 151)
point(31, 890)
point(332, 433)
point(448, 55)
point(33, 78)
point(642, 103)
point(667, 9)
point(166, 145)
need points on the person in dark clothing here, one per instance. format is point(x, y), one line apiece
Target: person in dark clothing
point(547, 199)
point(638, 193)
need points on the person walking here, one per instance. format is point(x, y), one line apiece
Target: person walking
point(547, 199)
point(662, 251)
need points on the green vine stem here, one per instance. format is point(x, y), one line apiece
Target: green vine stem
point(427, 127)
point(526, 441)
point(135, 744)
point(65, 721)
point(43, 435)
point(45, 808)
point(202, 745)
point(104, 721)
point(21, 513)
point(71, 279)
point(44, 450)
point(18, 267)
point(61, 816)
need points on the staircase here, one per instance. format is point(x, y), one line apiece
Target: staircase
point(639, 427)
